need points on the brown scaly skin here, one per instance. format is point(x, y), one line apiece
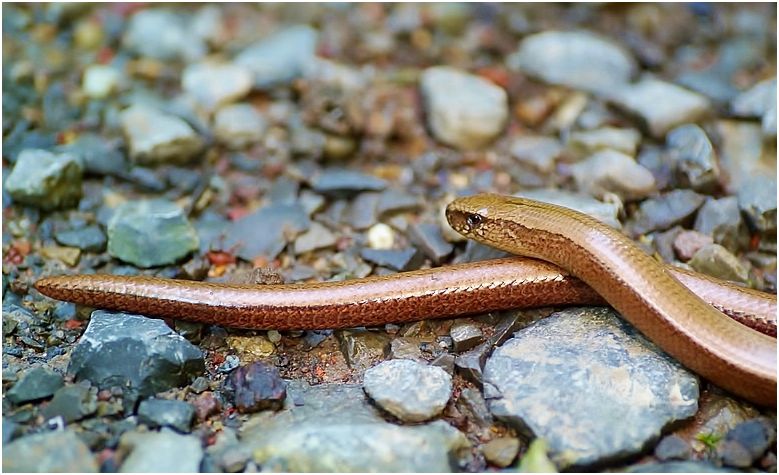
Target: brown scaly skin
point(731, 355)
point(441, 292)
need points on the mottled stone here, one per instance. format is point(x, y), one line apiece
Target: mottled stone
point(577, 59)
point(465, 336)
point(362, 348)
point(45, 180)
point(590, 385)
point(609, 171)
point(463, 110)
point(256, 387)
point(156, 137)
point(150, 233)
point(660, 106)
point(58, 451)
point(135, 352)
point(410, 391)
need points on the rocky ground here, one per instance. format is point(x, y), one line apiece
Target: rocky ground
point(323, 141)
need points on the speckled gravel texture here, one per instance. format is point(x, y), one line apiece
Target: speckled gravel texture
point(321, 142)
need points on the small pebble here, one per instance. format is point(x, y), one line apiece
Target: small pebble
point(501, 452)
point(465, 336)
point(411, 391)
point(609, 171)
point(156, 137)
point(100, 81)
point(716, 261)
point(239, 126)
point(215, 84)
point(256, 387)
point(430, 239)
point(36, 383)
point(167, 413)
point(687, 243)
point(673, 447)
point(463, 110)
point(381, 236)
point(397, 259)
point(45, 180)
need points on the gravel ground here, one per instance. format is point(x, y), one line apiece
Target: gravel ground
point(322, 142)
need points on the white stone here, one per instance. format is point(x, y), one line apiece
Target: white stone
point(100, 81)
point(239, 126)
point(463, 110)
point(214, 84)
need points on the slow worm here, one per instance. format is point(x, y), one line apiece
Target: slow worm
point(639, 287)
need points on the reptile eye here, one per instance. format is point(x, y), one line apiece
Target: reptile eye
point(473, 220)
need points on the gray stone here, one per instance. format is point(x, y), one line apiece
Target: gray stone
point(758, 101)
point(239, 126)
point(45, 180)
point(72, 403)
point(589, 141)
point(605, 212)
point(444, 361)
point(397, 259)
point(166, 413)
point(58, 451)
point(162, 34)
point(332, 428)
point(577, 59)
point(609, 171)
point(213, 84)
point(755, 435)
point(156, 137)
point(463, 111)
point(757, 200)
point(266, 231)
point(150, 233)
point(164, 451)
point(693, 157)
point(660, 106)
point(465, 336)
point(663, 212)
point(538, 152)
point(673, 447)
point(677, 467)
point(501, 452)
point(131, 351)
point(98, 155)
point(394, 201)
point(281, 57)
point(410, 391)
point(742, 154)
point(590, 385)
point(341, 181)
point(88, 238)
point(430, 239)
point(716, 261)
point(734, 454)
point(363, 212)
point(721, 219)
point(406, 348)
point(317, 237)
point(36, 383)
